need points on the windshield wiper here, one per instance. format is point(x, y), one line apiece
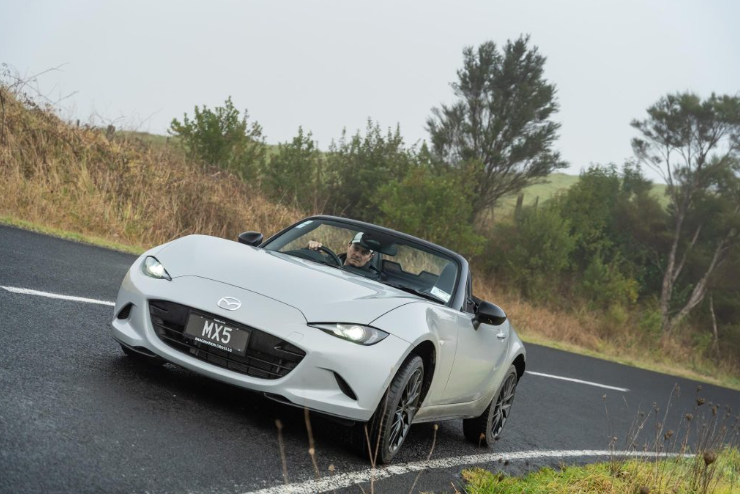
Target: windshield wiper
point(415, 292)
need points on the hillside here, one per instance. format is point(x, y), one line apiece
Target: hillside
point(552, 185)
point(557, 183)
point(139, 191)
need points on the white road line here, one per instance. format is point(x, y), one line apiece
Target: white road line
point(25, 291)
point(623, 390)
point(343, 480)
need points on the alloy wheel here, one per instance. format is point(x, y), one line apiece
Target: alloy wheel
point(503, 405)
point(405, 411)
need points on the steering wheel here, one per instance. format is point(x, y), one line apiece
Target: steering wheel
point(330, 254)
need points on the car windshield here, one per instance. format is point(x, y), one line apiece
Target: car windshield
point(378, 255)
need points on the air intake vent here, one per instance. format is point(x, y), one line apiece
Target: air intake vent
point(345, 387)
point(125, 312)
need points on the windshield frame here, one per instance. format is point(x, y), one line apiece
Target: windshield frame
point(457, 297)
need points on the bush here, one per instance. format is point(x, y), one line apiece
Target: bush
point(293, 174)
point(431, 206)
point(533, 251)
point(614, 320)
point(222, 138)
point(358, 167)
point(589, 205)
point(651, 323)
point(604, 285)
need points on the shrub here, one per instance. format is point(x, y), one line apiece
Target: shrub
point(222, 138)
point(294, 173)
point(604, 285)
point(433, 206)
point(359, 166)
point(651, 323)
point(533, 251)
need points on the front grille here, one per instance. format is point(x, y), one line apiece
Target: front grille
point(267, 356)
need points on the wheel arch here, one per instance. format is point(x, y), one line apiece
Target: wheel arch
point(428, 354)
point(520, 364)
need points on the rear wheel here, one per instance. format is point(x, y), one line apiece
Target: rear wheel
point(487, 428)
point(388, 428)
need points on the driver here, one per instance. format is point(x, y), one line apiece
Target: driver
point(358, 254)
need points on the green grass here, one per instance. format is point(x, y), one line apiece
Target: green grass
point(77, 237)
point(683, 476)
point(555, 184)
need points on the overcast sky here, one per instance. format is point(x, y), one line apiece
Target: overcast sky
point(327, 65)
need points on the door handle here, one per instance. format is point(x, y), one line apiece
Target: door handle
point(501, 336)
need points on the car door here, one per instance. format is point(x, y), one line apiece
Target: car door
point(480, 353)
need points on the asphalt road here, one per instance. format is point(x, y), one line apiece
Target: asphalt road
point(78, 416)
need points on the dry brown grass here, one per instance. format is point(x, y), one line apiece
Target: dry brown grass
point(578, 329)
point(127, 191)
point(80, 179)
point(542, 321)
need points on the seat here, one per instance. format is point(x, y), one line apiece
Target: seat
point(446, 279)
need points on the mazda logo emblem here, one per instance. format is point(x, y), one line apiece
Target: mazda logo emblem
point(229, 303)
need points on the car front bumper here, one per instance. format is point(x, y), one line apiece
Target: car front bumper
point(367, 370)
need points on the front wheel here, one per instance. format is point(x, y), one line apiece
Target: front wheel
point(487, 428)
point(390, 425)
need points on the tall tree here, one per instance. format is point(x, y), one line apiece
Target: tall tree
point(694, 146)
point(501, 121)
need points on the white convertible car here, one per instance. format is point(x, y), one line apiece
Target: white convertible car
point(355, 321)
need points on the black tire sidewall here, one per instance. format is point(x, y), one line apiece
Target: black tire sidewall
point(386, 410)
point(490, 438)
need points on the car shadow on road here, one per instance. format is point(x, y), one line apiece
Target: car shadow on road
point(236, 408)
point(256, 415)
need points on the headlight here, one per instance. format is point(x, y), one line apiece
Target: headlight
point(152, 267)
point(356, 333)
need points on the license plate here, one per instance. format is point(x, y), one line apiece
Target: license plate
point(217, 334)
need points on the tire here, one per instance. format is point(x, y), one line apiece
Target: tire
point(390, 424)
point(139, 357)
point(485, 429)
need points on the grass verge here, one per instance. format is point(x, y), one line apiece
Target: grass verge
point(67, 235)
point(528, 334)
point(721, 379)
point(718, 473)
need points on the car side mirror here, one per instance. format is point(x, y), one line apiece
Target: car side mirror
point(251, 238)
point(489, 313)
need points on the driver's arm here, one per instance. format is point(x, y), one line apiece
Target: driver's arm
point(314, 245)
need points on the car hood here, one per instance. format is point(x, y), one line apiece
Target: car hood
point(322, 293)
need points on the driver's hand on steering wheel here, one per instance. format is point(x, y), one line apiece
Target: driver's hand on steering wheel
point(314, 245)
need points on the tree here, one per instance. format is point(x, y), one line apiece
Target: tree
point(357, 167)
point(532, 252)
point(432, 206)
point(590, 206)
point(294, 173)
point(222, 138)
point(501, 120)
point(694, 145)
point(605, 259)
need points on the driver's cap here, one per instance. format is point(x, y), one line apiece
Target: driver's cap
point(358, 240)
